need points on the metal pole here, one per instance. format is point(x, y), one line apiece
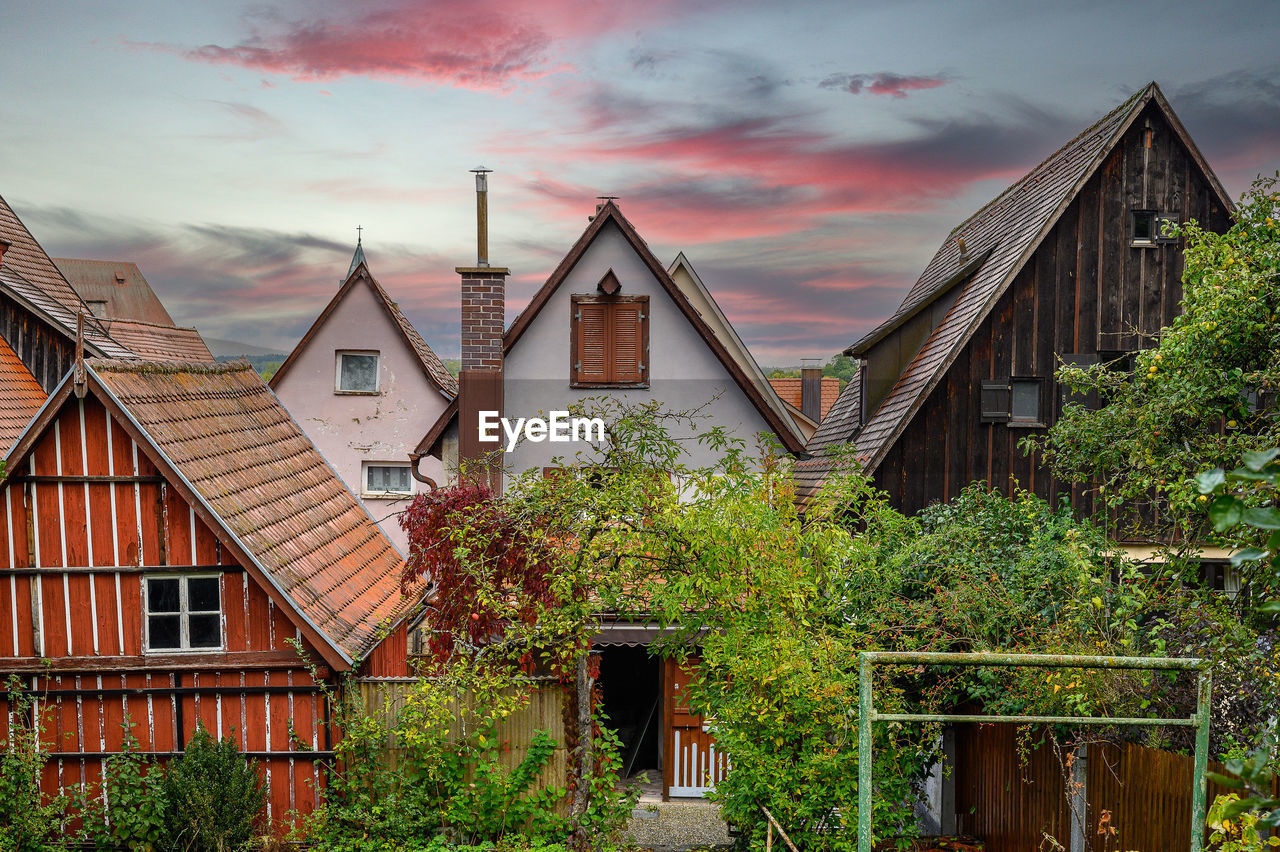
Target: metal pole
point(864, 752)
point(1199, 792)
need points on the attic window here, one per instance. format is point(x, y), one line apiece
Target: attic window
point(184, 613)
point(97, 307)
point(386, 480)
point(357, 372)
point(609, 341)
point(609, 284)
point(1146, 229)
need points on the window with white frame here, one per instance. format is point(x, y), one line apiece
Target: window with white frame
point(357, 372)
point(385, 479)
point(184, 613)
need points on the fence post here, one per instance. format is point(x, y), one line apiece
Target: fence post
point(864, 752)
point(1199, 785)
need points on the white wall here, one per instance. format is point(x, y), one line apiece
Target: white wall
point(684, 372)
point(352, 429)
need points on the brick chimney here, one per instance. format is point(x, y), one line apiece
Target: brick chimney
point(811, 389)
point(484, 290)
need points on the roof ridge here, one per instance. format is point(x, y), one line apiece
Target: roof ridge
point(117, 365)
point(1021, 182)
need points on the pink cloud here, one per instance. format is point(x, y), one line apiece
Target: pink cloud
point(883, 83)
point(474, 44)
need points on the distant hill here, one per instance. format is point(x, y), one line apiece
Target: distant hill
point(221, 348)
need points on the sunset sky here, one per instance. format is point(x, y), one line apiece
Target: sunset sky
point(807, 157)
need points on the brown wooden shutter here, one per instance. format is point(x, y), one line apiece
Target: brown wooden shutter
point(995, 401)
point(590, 360)
point(627, 355)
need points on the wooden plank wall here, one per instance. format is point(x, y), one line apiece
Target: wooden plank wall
point(1011, 806)
point(72, 565)
point(384, 699)
point(46, 353)
point(1084, 290)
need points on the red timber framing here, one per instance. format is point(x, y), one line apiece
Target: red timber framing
point(88, 515)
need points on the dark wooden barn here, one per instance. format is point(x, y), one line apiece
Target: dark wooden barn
point(1068, 263)
point(171, 534)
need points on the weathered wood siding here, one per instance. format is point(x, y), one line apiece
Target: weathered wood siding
point(1084, 290)
point(86, 520)
point(48, 354)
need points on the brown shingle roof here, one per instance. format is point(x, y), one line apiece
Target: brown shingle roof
point(432, 366)
point(20, 396)
point(29, 276)
point(225, 433)
point(153, 342)
point(788, 390)
point(1003, 233)
point(119, 284)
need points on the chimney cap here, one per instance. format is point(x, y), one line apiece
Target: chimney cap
point(481, 170)
point(810, 362)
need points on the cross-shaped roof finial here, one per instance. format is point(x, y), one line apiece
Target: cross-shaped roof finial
point(359, 233)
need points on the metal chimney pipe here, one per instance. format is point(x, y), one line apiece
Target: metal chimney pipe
point(482, 215)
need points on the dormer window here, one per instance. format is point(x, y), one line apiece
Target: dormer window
point(609, 341)
point(97, 307)
point(357, 372)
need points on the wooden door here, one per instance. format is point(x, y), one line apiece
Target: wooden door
point(693, 765)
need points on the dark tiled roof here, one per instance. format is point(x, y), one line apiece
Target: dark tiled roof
point(153, 342)
point(788, 390)
point(1004, 233)
point(20, 396)
point(227, 435)
point(119, 284)
point(29, 276)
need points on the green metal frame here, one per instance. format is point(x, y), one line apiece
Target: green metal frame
point(867, 714)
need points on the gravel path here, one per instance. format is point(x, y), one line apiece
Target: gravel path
point(678, 825)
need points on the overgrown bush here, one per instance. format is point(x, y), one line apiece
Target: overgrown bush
point(132, 810)
point(446, 778)
point(29, 820)
point(213, 797)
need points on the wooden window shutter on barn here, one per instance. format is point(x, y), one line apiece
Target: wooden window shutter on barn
point(609, 341)
point(996, 401)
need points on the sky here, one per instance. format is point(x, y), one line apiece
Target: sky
point(808, 157)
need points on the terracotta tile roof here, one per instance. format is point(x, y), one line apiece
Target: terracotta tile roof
point(119, 284)
point(789, 390)
point(20, 396)
point(434, 368)
point(1003, 233)
point(29, 276)
point(154, 342)
point(228, 436)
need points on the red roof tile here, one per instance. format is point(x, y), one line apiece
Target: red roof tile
point(119, 284)
point(153, 342)
point(225, 433)
point(789, 390)
point(20, 396)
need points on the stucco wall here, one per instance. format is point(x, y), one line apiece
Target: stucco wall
point(684, 373)
point(351, 429)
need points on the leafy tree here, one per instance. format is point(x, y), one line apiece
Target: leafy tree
point(1201, 395)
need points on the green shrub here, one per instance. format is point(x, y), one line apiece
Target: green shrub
point(213, 797)
point(29, 821)
point(131, 813)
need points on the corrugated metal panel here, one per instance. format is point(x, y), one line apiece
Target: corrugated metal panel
point(20, 396)
point(229, 437)
point(119, 284)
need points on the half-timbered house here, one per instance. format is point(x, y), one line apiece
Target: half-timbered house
point(177, 554)
point(1069, 264)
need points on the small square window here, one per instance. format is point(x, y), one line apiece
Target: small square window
point(97, 307)
point(1147, 227)
point(1025, 405)
point(382, 479)
point(357, 372)
point(183, 613)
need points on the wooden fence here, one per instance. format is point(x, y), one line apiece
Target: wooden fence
point(384, 699)
point(1013, 805)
